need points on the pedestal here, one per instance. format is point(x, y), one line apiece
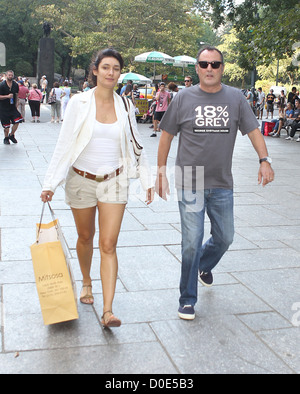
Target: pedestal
point(46, 61)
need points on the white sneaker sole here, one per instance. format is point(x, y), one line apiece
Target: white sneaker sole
point(186, 317)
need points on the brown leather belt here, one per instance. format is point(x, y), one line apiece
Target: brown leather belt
point(97, 178)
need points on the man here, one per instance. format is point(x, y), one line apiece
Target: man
point(249, 97)
point(295, 125)
point(163, 99)
point(22, 96)
point(188, 81)
point(292, 97)
point(260, 103)
point(136, 93)
point(270, 103)
point(207, 116)
point(9, 114)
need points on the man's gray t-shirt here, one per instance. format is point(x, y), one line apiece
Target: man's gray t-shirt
point(208, 125)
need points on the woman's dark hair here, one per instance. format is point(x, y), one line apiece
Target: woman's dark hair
point(56, 85)
point(109, 52)
point(128, 89)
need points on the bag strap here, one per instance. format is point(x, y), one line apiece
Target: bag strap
point(127, 110)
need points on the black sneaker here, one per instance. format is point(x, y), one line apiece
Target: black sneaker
point(13, 138)
point(206, 278)
point(153, 135)
point(6, 141)
point(186, 312)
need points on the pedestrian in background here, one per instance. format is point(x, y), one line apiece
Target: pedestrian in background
point(281, 103)
point(56, 107)
point(188, 81)
point(44, 86)
point(173, 88)
point(9, 114)
point(65, 99)
point(163, 99)
point(260, 103)
point(34, 100)
point(85, 86)
point(270, 103)
point(22, 98)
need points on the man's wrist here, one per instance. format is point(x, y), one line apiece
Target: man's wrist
point(266, 159)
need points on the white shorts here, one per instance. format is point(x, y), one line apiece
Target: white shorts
point(86, 193)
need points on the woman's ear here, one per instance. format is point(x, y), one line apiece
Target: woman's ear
point(95, 71)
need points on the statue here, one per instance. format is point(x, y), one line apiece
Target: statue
point(47, 28)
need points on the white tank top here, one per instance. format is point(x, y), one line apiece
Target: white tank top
point(103, 153)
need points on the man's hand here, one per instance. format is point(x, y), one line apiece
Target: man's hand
point(265, 174)
point(162, 186)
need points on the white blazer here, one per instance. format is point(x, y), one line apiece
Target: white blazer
point(76, 132)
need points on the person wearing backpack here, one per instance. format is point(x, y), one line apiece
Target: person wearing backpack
point(58, 93)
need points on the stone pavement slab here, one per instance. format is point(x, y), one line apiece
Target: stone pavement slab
point(248, 322)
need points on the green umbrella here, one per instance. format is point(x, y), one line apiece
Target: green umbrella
point(135, 78)
point(154, 57)
point(184, 61)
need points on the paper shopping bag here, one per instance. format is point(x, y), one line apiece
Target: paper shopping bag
point(53, 275)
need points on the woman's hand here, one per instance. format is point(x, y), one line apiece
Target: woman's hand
point(47, 196)
point(149, 196)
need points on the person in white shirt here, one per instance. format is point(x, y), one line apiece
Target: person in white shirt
point(260, 103)
point(95, 155)
point(65, 99)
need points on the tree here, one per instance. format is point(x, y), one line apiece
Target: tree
point(131, 26)
point(19, 32)
point(270, 26)
point(235, 68)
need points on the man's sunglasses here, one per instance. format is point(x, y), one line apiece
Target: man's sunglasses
point(214, 65)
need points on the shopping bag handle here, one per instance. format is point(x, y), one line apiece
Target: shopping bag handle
point(42, 214)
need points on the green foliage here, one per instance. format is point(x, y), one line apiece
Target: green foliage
point(131, 26)
point(267, 29)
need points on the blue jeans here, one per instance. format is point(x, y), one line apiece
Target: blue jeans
point(218, 203)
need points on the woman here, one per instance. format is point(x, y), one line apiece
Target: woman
point(34, 99)
point(129, 93)
point(281, 103)
point(56, 107)
point(96, 140)
point(65, 99)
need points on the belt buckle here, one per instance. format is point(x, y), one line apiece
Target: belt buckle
point(99, 178)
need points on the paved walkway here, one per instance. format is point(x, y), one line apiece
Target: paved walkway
point(248, 322)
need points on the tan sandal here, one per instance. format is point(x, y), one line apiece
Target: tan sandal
point(111, 321)
point(88, 298)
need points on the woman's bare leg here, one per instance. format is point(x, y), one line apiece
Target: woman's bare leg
point(85, 224)
point(110, 220)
